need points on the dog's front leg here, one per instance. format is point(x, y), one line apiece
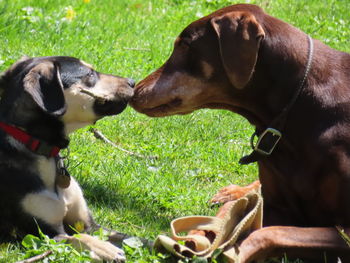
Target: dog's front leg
point(99, 250)
point(78, 212)
point(77, 209)
point(318, 244)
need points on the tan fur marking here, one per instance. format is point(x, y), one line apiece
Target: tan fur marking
point(47, 171)
point(86, 64)
point(108, 87)
point(208, 70)
point(79, 109)
point(45, 69)
point(76, 206)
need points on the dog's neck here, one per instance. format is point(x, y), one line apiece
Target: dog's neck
point(281, 66)
point(45, 128)
point(17, 136)
point(278, 73)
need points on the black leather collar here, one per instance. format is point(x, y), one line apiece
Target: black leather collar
point(269, 138)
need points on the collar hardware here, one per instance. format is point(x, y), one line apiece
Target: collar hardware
point(267, 141)
point(63, 178)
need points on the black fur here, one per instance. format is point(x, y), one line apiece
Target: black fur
point(37, 109)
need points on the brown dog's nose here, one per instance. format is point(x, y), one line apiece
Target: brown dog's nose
point(131, 82)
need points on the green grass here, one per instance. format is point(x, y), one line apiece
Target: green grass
point(198, 153)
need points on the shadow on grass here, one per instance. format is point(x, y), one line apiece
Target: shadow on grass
point(134, 206)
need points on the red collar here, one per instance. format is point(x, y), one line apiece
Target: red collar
point(35, 145)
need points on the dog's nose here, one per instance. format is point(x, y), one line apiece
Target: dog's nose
point(131, 82)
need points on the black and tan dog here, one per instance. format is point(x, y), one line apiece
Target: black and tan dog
point(42, 101)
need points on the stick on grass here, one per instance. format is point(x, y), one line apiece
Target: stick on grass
point(36, 258)
point(99, 135)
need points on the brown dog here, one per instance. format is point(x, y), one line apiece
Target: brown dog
point(243, 60)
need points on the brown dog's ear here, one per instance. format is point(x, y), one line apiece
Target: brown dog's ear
point(43, 83)
point(239, 36)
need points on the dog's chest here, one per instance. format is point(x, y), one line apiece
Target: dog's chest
point(47, 171)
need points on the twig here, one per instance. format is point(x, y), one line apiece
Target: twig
point(36, 258)
point(99, 135)
point(137, 49)
point(87, 92)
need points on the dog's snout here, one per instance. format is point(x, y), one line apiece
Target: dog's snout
point(131, 82)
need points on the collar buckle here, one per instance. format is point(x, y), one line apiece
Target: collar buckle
point(41, 147)
point(267, 141)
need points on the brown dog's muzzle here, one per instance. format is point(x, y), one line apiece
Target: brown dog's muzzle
point(150, 97)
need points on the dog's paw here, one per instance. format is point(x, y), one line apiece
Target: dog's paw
point(234, 192)
point(228, 193)
point(99, 250)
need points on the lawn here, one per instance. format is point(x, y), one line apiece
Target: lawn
point(197, 153)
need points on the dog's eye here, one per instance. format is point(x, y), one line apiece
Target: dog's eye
point(90, 79)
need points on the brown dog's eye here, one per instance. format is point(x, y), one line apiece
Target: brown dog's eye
point(185, 42)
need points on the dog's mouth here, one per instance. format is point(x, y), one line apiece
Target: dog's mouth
point(109, 107)
point(165, 109)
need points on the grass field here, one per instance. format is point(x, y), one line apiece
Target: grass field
point(198, 153)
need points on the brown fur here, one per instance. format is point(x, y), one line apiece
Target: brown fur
point(258, 63)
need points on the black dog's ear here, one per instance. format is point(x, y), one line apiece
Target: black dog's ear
point(8, 71)
point(43, 83)
point(2, 82)
point(4, 76)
